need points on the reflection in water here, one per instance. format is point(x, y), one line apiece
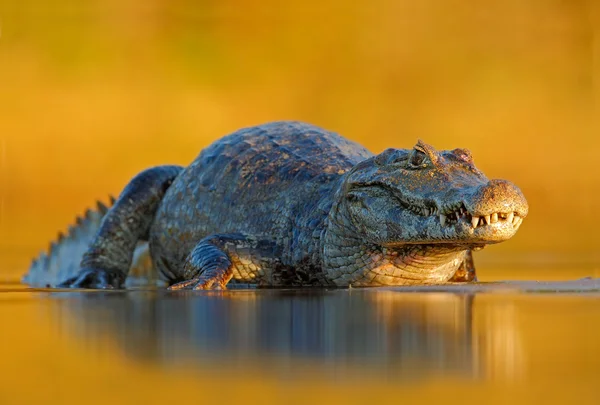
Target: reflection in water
point(500, 345)
point(410, 334)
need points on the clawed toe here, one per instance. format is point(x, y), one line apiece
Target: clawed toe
point(200, 283)
point(184, 285)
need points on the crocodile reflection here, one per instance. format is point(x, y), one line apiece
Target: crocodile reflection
point(410, 332)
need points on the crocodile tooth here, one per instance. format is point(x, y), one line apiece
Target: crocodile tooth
point(516, 220)
point(475, 222)
point(443, 219)
point(487, 219)
point(494, 218)
point(510, 216)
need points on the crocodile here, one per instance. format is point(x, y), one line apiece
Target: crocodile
point(291, 204)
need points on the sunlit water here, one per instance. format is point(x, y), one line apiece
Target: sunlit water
point(518, 342)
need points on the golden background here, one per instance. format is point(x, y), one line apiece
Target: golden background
point(94, 92)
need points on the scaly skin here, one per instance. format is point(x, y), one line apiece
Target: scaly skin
point(64, 255)
point(287, 203)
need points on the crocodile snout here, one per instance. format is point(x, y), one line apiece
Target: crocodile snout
point(497, 196)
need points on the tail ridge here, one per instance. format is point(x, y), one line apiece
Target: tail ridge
point(61, 260)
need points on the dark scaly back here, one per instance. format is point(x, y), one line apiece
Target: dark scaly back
point(266, 181)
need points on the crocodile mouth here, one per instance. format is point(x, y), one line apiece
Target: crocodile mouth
point(478, 220)
point(454, 220)
point(460, 214)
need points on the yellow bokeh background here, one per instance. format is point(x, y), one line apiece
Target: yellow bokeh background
point(93, 92)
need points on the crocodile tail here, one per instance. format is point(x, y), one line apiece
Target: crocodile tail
point(62, 259)
point(64, 255)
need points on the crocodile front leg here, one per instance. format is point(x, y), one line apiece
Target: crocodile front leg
point(108, 259)
point(218, 258)
point(466, 271)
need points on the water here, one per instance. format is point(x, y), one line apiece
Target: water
point(518, 342)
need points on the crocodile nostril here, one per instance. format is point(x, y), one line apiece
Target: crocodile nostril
point(498, 196)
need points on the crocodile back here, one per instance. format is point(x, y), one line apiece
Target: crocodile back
point(273, 181)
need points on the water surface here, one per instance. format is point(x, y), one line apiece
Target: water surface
point(518, 342)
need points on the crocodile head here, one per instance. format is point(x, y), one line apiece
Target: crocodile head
point(424, 196)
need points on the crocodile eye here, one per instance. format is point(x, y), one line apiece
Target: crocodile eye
point(417, 158)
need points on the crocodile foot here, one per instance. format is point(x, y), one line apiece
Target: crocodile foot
point(199, 283)
point(95, 278)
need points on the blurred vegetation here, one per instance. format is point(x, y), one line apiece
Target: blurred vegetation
point(93, 92)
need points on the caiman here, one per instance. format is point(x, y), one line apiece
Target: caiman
point(291, 204)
